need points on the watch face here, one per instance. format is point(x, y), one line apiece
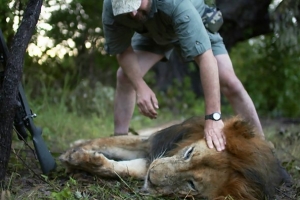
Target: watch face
point(216, 116)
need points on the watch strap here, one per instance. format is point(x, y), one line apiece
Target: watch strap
point(208, 117)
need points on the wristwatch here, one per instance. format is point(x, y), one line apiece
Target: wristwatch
point(214, 116)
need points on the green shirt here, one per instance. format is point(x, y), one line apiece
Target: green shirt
point(176, 22)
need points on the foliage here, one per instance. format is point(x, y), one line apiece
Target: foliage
point(9, 11)
point(73, 113)
point(85, 100)
point(76, 28)
point(178, 97)
point(286, 18)
point(270, 74)
point(66, 192)
point(73, 52)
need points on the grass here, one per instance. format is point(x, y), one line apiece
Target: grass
point(61, 127)
point(285, 135)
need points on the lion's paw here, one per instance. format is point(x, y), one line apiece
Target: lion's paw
point(97, 159)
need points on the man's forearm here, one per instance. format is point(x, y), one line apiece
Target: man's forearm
point(210, 81)
point(211, 87)
point(145, 97)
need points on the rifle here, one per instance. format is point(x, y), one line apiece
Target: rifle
point(24, 120)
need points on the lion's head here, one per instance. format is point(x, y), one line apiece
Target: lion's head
point(247, 169)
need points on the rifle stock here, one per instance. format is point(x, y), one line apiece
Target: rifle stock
point(45, 158)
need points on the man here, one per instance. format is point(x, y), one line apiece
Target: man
point(142, 32)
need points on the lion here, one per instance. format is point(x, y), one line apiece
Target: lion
point(176, 160)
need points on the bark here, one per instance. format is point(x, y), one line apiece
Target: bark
point(12, 76)
point(244, 19)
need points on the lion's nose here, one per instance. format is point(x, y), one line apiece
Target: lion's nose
point(144, 191)
point(149, 180)
point(147, 185)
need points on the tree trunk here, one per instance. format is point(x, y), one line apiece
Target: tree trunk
point(244, 19)
point(12, 76)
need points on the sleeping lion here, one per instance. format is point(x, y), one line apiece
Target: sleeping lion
point(177, 160)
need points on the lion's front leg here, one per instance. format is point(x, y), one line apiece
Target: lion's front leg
point(136, 168)
point(96, 163)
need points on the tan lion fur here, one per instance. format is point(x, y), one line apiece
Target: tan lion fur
point(177, 160)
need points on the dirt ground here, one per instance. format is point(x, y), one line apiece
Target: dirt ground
point(24, 180)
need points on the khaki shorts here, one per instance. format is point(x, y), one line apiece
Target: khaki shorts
point(142, 43)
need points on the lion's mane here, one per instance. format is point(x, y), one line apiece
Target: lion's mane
point(253, 170)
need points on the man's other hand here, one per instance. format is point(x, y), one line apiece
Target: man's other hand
point(147, 102)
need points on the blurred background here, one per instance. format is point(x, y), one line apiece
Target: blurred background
point(67, 72)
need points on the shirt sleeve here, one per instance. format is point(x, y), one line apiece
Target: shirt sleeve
point(192, 35)
point(117, 36)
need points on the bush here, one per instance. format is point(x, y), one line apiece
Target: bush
point(270, 74)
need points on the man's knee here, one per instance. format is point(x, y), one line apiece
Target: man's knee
point(122, 77)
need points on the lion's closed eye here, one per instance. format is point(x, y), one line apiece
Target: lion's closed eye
point(191, 185)
point(188, 153)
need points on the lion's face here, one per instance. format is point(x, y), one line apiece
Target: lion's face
point(186, 172)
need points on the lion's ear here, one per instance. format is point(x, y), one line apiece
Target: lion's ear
point(236, 127)
point(238, 135)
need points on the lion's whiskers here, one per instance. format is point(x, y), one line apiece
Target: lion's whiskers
point(162, 153)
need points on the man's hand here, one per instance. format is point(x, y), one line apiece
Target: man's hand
point(214, 134)
point(147, 102)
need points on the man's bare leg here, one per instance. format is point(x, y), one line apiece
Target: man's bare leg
point(235, 92)
point(125, 96)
